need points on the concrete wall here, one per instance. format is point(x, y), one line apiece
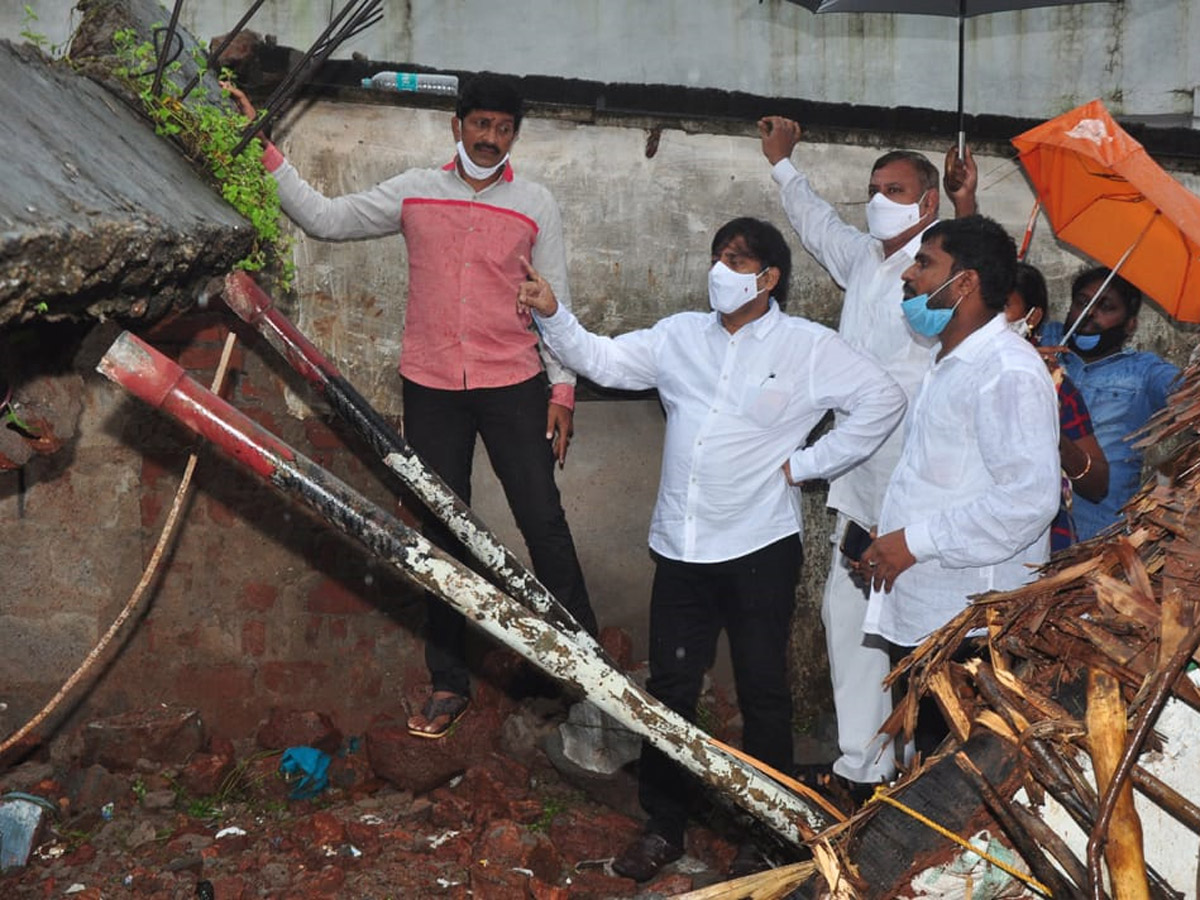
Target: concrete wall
point(1138, 55)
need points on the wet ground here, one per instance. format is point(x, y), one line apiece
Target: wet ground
point(225, 822)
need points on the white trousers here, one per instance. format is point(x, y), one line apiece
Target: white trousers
point(858, 664)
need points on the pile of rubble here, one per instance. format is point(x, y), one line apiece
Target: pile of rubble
point(148, 805)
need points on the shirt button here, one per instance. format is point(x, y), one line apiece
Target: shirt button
point(466, 265)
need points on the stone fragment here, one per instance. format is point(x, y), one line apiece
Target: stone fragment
point(167, 734)
point(299, 728)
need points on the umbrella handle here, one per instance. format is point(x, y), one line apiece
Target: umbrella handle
point(1111, 275)
point(1033, 214)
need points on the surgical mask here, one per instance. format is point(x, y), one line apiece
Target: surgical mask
point(479, 173)
point(1021, 327)
point(1099, 344)
point(926, 321)
point(729, 291)
point(887, 218)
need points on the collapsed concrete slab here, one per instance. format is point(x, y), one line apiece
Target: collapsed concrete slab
point(100, 217)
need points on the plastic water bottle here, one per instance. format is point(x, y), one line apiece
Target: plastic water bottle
point(422, 83)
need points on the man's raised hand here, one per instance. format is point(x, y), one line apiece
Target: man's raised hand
point(779, 137)
point(535, 292)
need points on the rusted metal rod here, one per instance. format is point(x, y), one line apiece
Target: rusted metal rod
point(163, 384)
point(214, 54)
point(255, 307)
point(161, 65)
point(328, 41)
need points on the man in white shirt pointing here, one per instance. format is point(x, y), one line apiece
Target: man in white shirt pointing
point(742, 385)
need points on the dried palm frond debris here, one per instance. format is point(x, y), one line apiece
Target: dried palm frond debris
point(1063, 699)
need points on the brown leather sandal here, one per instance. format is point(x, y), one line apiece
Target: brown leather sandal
point(452, 708)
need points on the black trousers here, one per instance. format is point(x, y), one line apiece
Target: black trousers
point(931, 727)
point(441, 426)
point(752, 598)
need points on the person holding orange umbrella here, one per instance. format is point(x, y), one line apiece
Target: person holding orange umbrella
point(1123, 387)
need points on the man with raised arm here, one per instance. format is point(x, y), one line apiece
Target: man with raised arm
point(471, 364)
point(903, 202)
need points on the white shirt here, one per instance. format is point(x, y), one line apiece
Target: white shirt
point(871, 321)
point(977, 485)
point(738, 406)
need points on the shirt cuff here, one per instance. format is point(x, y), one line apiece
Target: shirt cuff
point(272, 159)
point(798, 465)
point(783, 171)
point(920, 541)
point(563, 395)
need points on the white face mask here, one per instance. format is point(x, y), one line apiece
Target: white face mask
point(887, 218)
point(479, 173)
point(1021, 327)
point(729, 291)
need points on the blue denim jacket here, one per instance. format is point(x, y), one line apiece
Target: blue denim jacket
point(1122, 392)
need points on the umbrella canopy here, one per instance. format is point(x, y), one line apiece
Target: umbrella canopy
point(1105, 196)
point(963, 9)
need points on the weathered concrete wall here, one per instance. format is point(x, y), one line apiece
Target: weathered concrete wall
point(1138, 55)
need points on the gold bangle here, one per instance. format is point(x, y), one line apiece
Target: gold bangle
point(1087, 468)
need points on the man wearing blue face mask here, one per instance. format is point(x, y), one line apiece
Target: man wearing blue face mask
point(1123, 387)
point(903, 203)
point(969, 506)
point(742, 386)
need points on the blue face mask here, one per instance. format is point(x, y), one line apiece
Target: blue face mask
point(926, 321)
point(1086, 342)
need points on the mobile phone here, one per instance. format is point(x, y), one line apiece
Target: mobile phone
point(856, 540)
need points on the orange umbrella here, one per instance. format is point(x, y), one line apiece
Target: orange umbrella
point(1105, 196)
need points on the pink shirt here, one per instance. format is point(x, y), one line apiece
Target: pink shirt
point(461, 328)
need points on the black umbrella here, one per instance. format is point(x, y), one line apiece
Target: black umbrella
point(960, 8)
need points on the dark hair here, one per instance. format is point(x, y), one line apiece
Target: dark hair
point(1032, 287)
point(976, 242)
point(927, 173)
point(765, 243)
point(1130, 296)
point(488, 91)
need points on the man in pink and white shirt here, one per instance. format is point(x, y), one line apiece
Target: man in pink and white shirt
point(471, 363)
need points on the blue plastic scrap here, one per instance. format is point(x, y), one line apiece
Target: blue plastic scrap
point(21, 818)
point(308, 767)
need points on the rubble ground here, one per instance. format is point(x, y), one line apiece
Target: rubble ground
point(148, 808)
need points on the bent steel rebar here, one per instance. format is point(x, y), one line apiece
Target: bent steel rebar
point(255, 307)
point(163, 384)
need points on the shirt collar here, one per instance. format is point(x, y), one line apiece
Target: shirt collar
point(759, 328)
point(913, 245)
point(976, 342)
point(452, 166)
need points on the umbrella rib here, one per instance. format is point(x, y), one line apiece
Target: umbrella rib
point(1111, 275)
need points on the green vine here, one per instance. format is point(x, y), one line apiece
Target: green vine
point(37, 38)
point(208, 132)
